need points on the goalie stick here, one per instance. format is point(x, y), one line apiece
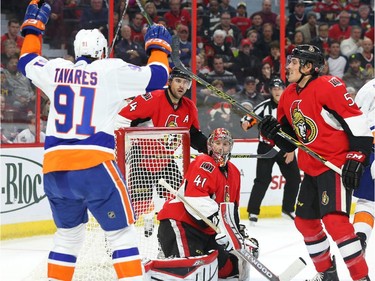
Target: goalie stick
point(244, 254)
point(177, 62)
point(270, 154)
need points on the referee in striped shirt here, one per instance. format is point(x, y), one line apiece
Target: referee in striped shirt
point(286, 161)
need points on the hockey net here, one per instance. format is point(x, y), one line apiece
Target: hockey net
point(144, 155)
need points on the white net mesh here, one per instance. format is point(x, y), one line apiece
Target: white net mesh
point(149, 155)
point(149, 158)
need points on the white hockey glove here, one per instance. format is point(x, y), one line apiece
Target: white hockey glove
point(222, 239)
point(251, 244)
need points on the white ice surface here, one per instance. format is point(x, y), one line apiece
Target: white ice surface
point(280, 244)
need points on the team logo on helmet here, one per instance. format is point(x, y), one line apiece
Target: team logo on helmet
point(304, 127)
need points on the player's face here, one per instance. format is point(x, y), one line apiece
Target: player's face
point(221, 146)
point(276, 93)
point(179, 86)
point(292, 69)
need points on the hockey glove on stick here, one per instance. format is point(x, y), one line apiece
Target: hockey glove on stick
point(158, 37)
point(269, 127)
point(353, 169)
point(247, 122)
point(251, 244)
point(35, 18)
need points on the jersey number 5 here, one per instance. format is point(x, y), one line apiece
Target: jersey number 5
point(64, 105)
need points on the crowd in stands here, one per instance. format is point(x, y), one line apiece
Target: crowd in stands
point(236, 52)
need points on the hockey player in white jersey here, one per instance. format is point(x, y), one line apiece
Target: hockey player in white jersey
point(78, 166)
point(365, 208)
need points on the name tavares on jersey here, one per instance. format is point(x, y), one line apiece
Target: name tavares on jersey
point(75, 76)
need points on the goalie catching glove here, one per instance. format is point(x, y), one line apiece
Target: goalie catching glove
point(158, 37)
point(247, 122)
point(35, 18)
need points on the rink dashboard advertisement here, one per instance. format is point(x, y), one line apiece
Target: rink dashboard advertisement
point(24, 205)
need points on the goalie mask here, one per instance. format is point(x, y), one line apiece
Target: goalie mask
point(90, 43)
point(219, 145)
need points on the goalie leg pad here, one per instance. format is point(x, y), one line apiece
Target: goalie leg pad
point(228, 225)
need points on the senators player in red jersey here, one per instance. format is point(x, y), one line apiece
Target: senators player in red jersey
point(163, 108)
point(167, 108)
point(319, 112)
point(211, 179)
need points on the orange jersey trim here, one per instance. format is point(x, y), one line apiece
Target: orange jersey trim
point(159, 57)
point(32, 44)
point(120, 185)
point(364, 217)
point(73, 159)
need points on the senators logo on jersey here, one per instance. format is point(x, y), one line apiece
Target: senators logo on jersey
point(304, 127)
point(171, 121)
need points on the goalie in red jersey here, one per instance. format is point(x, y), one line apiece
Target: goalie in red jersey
point(162, 108)
point(211, 179)
point(320, 113)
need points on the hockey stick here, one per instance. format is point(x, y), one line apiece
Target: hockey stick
point(183, 200)
point(177, 62)
point(270, 154)
point(118, 29)
point(244, 254)
point(143, 12)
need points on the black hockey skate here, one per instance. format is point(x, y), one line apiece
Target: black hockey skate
point(329, 275)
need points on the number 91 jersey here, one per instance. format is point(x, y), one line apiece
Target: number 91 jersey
point(85, 98)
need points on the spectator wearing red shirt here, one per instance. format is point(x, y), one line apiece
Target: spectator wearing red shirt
point(266, 13)
point(274, 58)
point(13, 34)
point(241, 20)
point(328, 10)
point(136, 25)
point(370, 34)
point(341, 30)
point(176, 15)
point(353, 6)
